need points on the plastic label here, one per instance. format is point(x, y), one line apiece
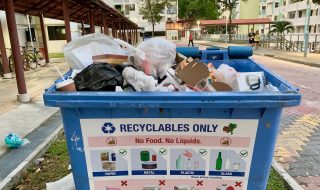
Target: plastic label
point(163, 153)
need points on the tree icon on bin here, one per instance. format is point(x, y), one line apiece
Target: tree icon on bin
point(108, 128)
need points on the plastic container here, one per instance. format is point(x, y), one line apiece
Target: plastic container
point(208, 128)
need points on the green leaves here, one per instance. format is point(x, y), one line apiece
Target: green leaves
point(152, 9)
point(281, 27)
point(198, 9)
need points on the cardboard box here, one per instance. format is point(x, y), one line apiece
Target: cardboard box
point(110, 58)
point(195, 71)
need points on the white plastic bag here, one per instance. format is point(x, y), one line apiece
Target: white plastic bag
point(139, 80)
point(79, 52)
point(65, 183)
point(228, 75)
point(154, 56)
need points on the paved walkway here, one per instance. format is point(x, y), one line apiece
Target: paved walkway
point(313, 59)
point(298, 143)
point(24, 118)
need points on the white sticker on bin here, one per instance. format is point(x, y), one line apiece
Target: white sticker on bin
point(164, 153)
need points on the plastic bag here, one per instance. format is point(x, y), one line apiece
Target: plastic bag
point(139, 80)
point(154, 56)
point(79, 52)
point(226, 74)
point(65, 183)
point(98, 77)
point(13, 140)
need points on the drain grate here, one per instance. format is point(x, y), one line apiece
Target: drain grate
point(11, 159)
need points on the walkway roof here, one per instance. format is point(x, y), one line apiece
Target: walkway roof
point(79, 10)
point(236, 22)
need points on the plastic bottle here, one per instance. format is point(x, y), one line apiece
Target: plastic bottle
point(228, 164)
point(179, 163)
point(219, 162)
point(189, 164)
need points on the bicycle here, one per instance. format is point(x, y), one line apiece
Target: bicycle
point(29, 60)
point(35, 57)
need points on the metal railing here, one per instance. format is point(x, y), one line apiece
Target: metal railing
point(288, 42)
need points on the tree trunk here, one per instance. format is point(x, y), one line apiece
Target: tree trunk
point(152, 30)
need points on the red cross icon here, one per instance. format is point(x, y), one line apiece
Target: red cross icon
point(238, 184)
point(124, 183)
point(199, 183)
point(162, 182)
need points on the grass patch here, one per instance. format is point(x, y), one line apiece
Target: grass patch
point(55, 166)
point(56, 55)
point(276, 182)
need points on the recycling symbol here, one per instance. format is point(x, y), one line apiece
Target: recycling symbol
point(108, 128)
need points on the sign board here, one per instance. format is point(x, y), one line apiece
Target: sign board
point(168, 154)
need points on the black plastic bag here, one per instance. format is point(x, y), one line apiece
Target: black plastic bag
point(98, 77)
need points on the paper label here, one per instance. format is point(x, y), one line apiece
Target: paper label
point(160, 153)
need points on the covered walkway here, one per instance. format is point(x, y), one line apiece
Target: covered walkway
point(237, 22)
point(92, 12)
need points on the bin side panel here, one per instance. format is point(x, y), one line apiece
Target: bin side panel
point(264, 149)
point(74, 138)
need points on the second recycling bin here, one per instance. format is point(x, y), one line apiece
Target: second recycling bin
point(174, 141)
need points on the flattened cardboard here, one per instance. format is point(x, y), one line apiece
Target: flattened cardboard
point(110, 58)
point(221, 86)
point(193, 72)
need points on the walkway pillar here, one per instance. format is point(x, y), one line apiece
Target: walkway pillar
point(14, 40)
point(66, 19)
point(5, 63)
point(82, 28)
point(105, 25)
point(92, 27)
point(113, 28)
point(120, 30)
point(44, 39)
point(137, 36)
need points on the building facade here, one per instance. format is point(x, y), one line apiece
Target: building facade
point(55, 32)
point(279, 10)
point(131, 9)
point(247, 10)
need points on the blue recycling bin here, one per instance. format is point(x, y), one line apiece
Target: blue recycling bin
point(185, 140)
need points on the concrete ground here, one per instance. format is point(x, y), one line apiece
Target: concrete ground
point(298, 143)
point(24, 118)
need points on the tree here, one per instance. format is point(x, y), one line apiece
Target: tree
point(152, 9)
point(281, 27)
point(230, 5)
point(198, 9)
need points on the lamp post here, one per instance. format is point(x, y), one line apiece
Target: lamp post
point(227, 16)
point(306, 30)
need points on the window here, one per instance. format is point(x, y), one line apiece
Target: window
point(33, 34)
point(132, 7)
point(275, 18)
point(127, 9)
point(276, 5)
point(300, 14)
point(57, 32)
point(118, 7)
point(292, 15)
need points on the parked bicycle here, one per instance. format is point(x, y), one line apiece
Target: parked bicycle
point(30, 59)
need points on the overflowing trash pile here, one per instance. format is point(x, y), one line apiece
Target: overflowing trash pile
point(101, 63)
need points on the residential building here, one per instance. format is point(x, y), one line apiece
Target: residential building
point(247, 10)
point(278, 10)
point(131, 9)
point(244, 10)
